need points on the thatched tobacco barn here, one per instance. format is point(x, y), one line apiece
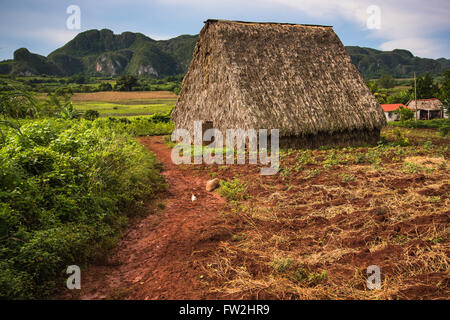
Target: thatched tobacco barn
point(295, 78)
point(427, 109)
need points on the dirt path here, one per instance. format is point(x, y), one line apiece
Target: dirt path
point(158, 256)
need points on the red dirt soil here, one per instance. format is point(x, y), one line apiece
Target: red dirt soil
point(157, 257)
point(189, 250)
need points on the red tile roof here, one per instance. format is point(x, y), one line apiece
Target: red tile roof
point(392, 107)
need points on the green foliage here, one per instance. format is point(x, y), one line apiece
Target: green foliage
point(234, 190)
point(281, 265)
point(386, 81)
point(401, 138)
point(105, 86)
point(409, 167)
point(315, 278)
point(309, 277)
point(398, 96)
point(393, 95)
point(68, 112)
point(17, 103)
point(446, 84)
point(445, 92)
point(64, 186)
point(91, 114)
point(424, 124)
point(348, 178)
point(161, 117)
point(77, 78)
point(404, 113)
point(137, 126)
point(426, 87)
point(126, 83)
point(444, 129)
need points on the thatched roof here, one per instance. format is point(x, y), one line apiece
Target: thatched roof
point(426, 104)
point(297, 78)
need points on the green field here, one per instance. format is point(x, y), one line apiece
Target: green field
point(125, 103)
point(120, 109)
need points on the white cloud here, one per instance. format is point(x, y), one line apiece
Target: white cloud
point(51, 36)
point(404, 24)
point(421, 47)
point(410, 24)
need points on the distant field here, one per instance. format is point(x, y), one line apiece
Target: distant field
point(122, 95)
point(125, 103)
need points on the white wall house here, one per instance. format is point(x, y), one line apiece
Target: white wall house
point(389, 111)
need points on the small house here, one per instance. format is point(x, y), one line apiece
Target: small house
point(427, 109)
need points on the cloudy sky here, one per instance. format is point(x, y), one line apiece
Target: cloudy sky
point(423, 27)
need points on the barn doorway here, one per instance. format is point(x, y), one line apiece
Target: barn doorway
point(205, 126)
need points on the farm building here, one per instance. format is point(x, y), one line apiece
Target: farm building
point(389, 111)
point(295, 78)
point(427, 108)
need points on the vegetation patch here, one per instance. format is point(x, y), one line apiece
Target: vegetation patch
point(65, 188)
point(234, 190)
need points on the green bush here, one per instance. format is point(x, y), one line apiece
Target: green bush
point(64, 188)
point(422, 124)
point(139, 126)
point(444, 129)
point(234, 190)
point(91, 114)
point(404, 113)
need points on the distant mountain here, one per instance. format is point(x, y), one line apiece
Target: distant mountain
point(101, 52)
point(397, 63)
point(28, 63)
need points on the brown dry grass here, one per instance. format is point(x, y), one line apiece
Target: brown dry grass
point(120, 96)
point(350, 214)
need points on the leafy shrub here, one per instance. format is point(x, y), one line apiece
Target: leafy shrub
point(68, 112)
point(444, 129)
point(404, 114)
point(105, 86)
point(141, 126)
point(421, 124)
point(64, 186)
point(233, 190)
point(401, 138)
point(91, 114)
point(160, 117)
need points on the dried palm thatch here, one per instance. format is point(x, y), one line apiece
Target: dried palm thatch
point(432, 104)
point(296, 78)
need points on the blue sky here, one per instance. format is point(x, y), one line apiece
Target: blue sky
point(423, 27)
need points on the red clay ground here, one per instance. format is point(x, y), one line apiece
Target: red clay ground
point(308, 232)
point(157, 257)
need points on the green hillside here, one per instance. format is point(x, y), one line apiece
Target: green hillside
point(28, 63)
point(397, 63)
point(103, 53)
